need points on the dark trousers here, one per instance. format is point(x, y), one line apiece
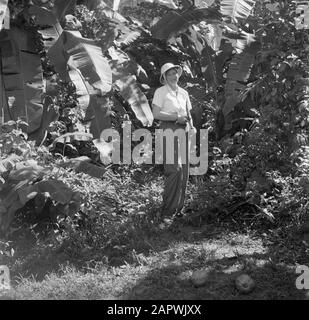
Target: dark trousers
point(177, 173)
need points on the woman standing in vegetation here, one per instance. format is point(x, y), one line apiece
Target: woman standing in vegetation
point(171, 105)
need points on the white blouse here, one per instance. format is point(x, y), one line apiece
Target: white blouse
point(168, 101)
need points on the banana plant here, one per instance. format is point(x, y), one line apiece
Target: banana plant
point(125, 82)
point(22, 83)
point(74, 57)
point(174, 23)
point(225, 41)
point(22, 77)
point(237, 76)
point(25, 182)
point(80, 60)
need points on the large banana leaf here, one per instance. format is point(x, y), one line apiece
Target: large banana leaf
point(174, 22)
point(22, 77)
point(3, 10)
point(80, 60)
point(59, 58)
point(48, 24)
point(89, 60)
point(124, 79)
point(18, 190)
point(72, 51)
point(237, 8)
point(131, 93)
point(127, 35)
point(237, 76)
point(95, 109)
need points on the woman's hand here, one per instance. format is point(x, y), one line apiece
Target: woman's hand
point(162, 115)
point(193, 130)
point(182, 119)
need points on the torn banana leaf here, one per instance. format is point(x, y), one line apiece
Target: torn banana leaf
point(83, 62)
point(127, 35)
point(130, 91)
point(72, 51)
point(235, 9)
point(48, 24)
point(88, 58)
point(124, 79)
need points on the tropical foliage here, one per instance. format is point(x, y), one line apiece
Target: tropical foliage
point(70, 69)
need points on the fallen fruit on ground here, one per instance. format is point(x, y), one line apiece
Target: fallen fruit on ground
point(244, 283)
point(199, 278)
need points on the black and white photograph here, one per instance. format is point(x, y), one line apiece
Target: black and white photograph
point(154, 154)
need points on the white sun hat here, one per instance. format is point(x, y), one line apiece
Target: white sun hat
point(168, 66)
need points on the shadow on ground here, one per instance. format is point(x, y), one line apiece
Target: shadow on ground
point(168, 258)
point(273, 282)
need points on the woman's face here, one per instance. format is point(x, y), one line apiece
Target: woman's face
point(172, 76)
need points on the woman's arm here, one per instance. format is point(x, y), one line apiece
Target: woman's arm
point(189, 108)
point(162, 115)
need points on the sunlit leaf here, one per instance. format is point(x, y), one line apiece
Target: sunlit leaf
point(83, 62)
point(124, 81)
point(235, 9)
point(3, 11)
